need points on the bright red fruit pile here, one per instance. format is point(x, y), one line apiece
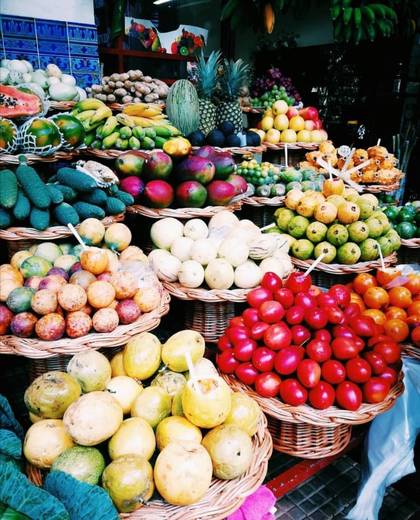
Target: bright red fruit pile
point(308, 346)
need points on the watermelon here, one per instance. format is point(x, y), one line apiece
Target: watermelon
point(182, 106)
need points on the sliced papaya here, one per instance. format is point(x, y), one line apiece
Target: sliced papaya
point(16, 103)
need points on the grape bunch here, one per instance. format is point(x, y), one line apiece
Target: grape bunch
point(270, 97)
point(271, 78)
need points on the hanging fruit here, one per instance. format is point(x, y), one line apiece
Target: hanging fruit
point(269, 18)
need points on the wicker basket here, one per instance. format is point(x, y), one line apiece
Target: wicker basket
point(61, 155)
point(206, 295)
point(223, 497)
point(412, 243)
point(182, 213)
point(309, 433)
point(379, 188)
point(239, 150)
point(411, 351)
point(37, 349)
point(61, 105)
point(291, 146)
point(109, 154)
point(340, 269)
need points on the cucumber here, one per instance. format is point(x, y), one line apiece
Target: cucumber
point(22, 207)
point(32, 184)
point(76, 179)
point(97, 197)
point(5, 219)
point(56, 195)
point(8, 189)
point(64, 214)
point(114, 206)
point(68, 193)
point(39, 218)
point(86, 210)
point(125, 197)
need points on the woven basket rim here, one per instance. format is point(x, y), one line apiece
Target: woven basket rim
point(206, 295)
point(31, 158)
point(239, 150)
point(52, 233)
point(379, 188)
point(36, 349)
point(412, 243)
point(329, 417)
point(61, 105)
point(291, 146)
point(182, 213)
point(360, 267)
point(409, 350)
point(223, 497)
point(264, 201)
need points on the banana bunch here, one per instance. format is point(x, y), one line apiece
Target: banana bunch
point(363, 22)
point(140, 126)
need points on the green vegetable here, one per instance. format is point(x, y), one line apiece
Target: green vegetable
point(160, 141)
point(125, 197)
point(39, 218)
point(7, 513)
point(55, 194)
point(65, 214)
point(32, 184)
point(147, 143)
point(22, 207)
point(134, 143)
point(5, 219)
point(82, 501)
point(86, 210)
point(114, 206)
point(17, 492)
point(97, 197)
point(113, 189)
point(76, 179)
point(10, 444)
point(150, 132)
point(9, 189)
point(69, 194)
point(8, 419)
point(138, 132)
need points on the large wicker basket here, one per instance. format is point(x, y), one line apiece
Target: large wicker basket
point(411, 351)
point(32, 158)
point(223, 497)
point(36, 349)
point(340, 269)
point(291, 146)
point(311, 434)
point(182, 213)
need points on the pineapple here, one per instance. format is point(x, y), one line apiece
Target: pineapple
point(207, 80)
point(234, 77)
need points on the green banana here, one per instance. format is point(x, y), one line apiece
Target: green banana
point(101, 113)
point(390, 13)
point(335, 12)
point(160, 141)
point(368, 14)
point(346, 3)
point(383, 27)
point(161, 131)
point(347, 13)
point(378, 10)
point(125, 120)
point(89, 104)
point(110, 140)
point(97, 144)
point(109, 126)
point(335, 3)
point(357, 17)
point(84, 116)
point(358, 34)
point(99, 131)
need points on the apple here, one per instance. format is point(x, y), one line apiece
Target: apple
point(309, 113)
point(297, 123)
point(281, 122)
point(280, 107)
point(292, 112)
point(316, 136)
point(267, 123)
point(273, 136)
point(288, 136)
point(304, 136)
point(309, 125)
point(318, 124)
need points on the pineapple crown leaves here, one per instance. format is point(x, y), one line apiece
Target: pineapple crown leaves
point(207, 74)
point(235, 74)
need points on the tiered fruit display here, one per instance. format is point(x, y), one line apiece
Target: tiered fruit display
point(52, 290)
point(405, 219)
point(271, 181)
point(284, 124)
point(227, 253)
point(207, 177)
point(309, 347)
point(74, 195)
point(224, 136)
point(51, 82)
point(129, 87)
point(130, 410)
point(140, 125)
point(207, 72)
point(380, 167)
point(271, 87)
point(392, 299)
point(338, 223)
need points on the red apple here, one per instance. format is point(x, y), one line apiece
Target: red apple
point(292, 112)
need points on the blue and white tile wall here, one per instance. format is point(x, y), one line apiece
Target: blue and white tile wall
point(71, 46)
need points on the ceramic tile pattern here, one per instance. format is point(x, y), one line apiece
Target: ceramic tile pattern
point(73, 47)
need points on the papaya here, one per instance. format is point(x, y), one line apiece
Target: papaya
point(16, 103)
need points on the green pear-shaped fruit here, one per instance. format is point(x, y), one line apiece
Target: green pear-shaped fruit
point(327, 249)
point(358, 231)
point(348, 253)
point(337, 235)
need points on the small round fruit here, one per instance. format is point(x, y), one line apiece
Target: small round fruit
point(135, 436)
point(91, 369)
point(244, 413)
point(100, 294)
point(152, 404)
point(78, 324)
point(105, 320)
point(348, 396)
point(94, 260)
point(44, 302)
point(72, 297)
point(125, 284)
point(50, 327)
point(23, 324)
point(82, 278)
point(376, 298)
point(176, 429)
point(124, 389)
point(128, 311)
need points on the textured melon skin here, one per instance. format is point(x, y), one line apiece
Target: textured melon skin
point(15, 103)
point(182, 106)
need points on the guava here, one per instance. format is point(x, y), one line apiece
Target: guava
point(369, 250)
point(292, 198)
point(283, 217)
point(316, 231)
point(244, 413)
point(135, 436)
point(386, 246)
point(348, 212)
point(327, 248)
point(366, 208)
point(325, 212)
point(395, 239)
point(358, 231)
point(230, 450)
point(371, 198)
point(176, 347)
point(348, 253)
point(91, 369)
point(383, 219)
point(306, 206)
point(84, 463)
point(375, 227)
point(171, 382)
point(337, 235)
point(337, 200)
point(153, 404)
point(176, 408)
point(297, 226)
point(351, 194)
point(302, 249)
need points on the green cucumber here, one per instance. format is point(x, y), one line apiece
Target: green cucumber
point(5, 219)
point(125, 197)
point(22, 207)
point(39, 218)
point(65, 214)
point(56, 195)
point(97, 197)
point(68, 193)
point(114, 206)
point(76, 179)
point(86, 210)
point(32, 184)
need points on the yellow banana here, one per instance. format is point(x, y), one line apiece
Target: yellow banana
point(126, 120)
point(142, 109)
point(110, 125)
point(89, 104)
point(101, 113)
point(86, 114)
point(269, 18)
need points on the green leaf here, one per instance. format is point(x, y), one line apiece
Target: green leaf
point(7, 418)
point(10, 444)
point(10, 514)
point(228, 9)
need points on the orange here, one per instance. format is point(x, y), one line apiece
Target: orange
point(413, 284)
point(396, 329)
point(415, 336)
point(356, 298)
point(400, 297)
point(377, 316)
point(375, 298)
point(413, 320)
point(414, 308)
point(384, 277)
point(363, 281)
point(395, 312)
